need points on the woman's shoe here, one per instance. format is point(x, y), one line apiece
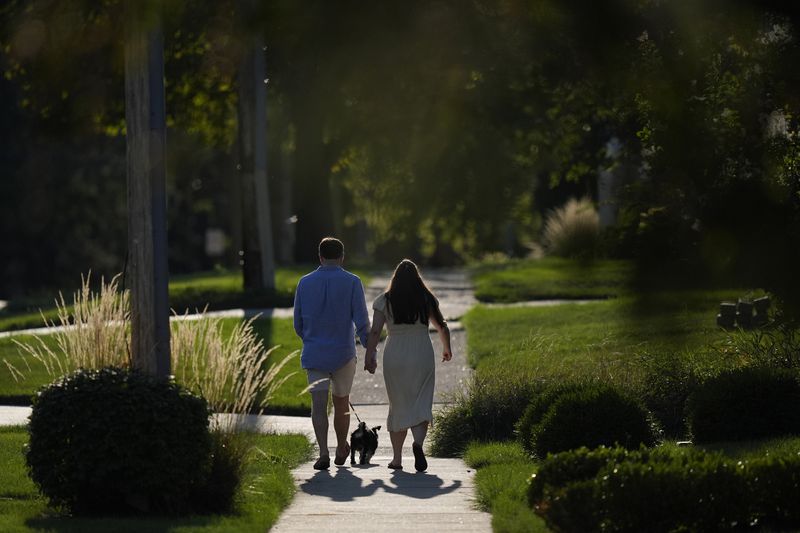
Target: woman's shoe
point(395, 467)
point(420, 463)
point(340, 459)
point(323, 463)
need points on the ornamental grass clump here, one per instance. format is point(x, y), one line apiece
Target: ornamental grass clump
point(232, 370)
point(572, 230)
point(93, 333)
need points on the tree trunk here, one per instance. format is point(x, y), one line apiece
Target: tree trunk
point(286, 215)
point(147, 206)
point(257, 243)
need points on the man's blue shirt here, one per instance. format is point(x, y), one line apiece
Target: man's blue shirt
point(327, 304)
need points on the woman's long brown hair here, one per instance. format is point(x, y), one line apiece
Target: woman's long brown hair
point(408, 298)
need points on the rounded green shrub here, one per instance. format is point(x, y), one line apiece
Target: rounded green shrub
point(593, 415)
point(118, 441)
point(537, 408)
point(744, 404)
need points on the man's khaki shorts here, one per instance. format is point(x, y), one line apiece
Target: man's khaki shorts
point(339, 381)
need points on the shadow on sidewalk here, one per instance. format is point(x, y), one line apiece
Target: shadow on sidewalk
point(419, 485)
point(342, 486)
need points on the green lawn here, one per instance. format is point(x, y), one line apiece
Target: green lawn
point(267, 489)
point(595, 338)
point(217, 289)
point(275, 331)
point(551, 277)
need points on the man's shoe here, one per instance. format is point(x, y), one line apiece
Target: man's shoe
point(420, 463)
point(323, 463)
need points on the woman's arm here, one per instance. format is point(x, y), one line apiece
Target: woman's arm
point(444, 334)
point(371, 357)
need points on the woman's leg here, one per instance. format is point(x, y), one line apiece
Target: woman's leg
point(419, 432)
point(397, 438)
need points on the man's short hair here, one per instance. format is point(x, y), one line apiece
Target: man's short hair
point(331, 248)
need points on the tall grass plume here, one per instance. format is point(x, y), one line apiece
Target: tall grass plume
point(93, 334)
point(572, 230)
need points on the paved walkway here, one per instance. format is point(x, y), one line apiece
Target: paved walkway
point(374, 497)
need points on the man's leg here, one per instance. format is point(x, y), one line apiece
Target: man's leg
point(319, 418)
point(341, 423)
point(341, 384)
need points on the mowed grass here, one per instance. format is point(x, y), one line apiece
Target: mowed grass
point(274, 332)
point(595, 338)
point(501, 483)
point(550, 278)
point(266, 490)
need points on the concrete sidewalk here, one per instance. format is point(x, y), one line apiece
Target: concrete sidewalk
point(347, 497)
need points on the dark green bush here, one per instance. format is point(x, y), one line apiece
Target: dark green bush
point(592, 415)
point(537, 408)
point(774, 486)
point(746, 403)
point(565, 468)
point(665, 489)
point(668, 382)
point(118, 441)
point(487, 411)
point(642, 490)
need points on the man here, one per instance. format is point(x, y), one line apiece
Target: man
point(327, 304)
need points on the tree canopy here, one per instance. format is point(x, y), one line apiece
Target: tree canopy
point(440, 130)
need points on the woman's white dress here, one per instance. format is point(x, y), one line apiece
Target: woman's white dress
point(409, 371)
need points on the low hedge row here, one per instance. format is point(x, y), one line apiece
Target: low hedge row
point(664, 489)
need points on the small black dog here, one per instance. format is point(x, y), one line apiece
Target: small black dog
point(364, 440)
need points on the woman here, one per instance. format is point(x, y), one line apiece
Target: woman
point(407, 307)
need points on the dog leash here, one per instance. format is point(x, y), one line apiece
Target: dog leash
point(353, 410)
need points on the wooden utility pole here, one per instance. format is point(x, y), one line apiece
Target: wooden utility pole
point(147, 206)
point(257, 242)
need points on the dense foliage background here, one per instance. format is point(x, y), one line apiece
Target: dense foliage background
point(440, 130)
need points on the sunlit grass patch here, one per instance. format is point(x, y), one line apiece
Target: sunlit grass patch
point(501, 485)
point(548, 278)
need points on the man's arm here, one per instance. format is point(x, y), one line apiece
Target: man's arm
point(358, 308)
point(298, 315)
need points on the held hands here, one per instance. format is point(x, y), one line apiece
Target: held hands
point(371, 362)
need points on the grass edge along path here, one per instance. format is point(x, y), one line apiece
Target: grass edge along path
point(267, 488)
